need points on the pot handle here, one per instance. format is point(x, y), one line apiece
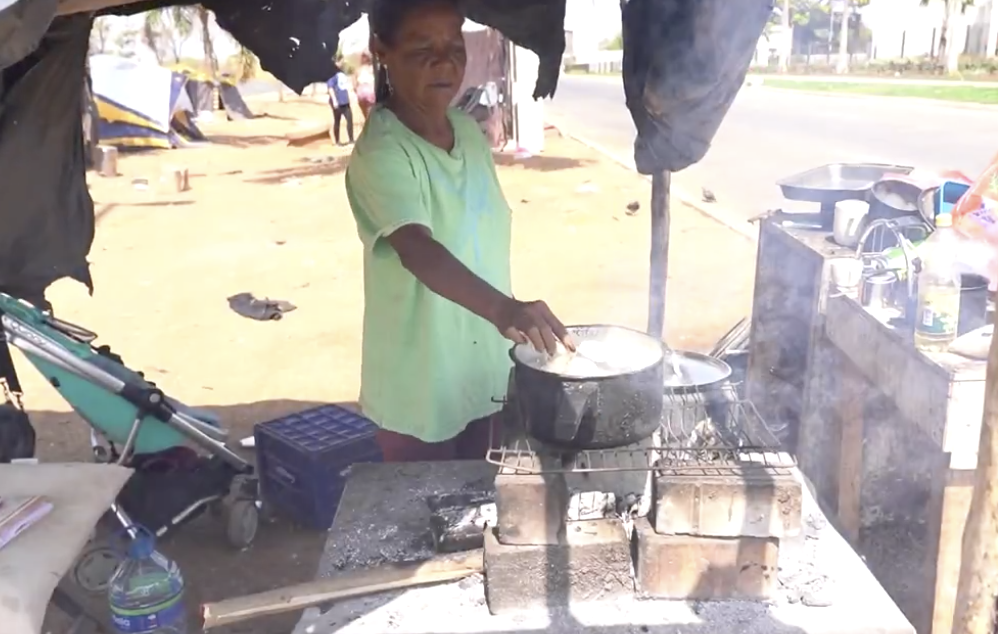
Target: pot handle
point(577, 402)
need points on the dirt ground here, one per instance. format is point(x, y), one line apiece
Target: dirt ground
point(273, 220)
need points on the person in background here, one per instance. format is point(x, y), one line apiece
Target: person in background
point(439, 312)
point(338, 87)
point(363, 84)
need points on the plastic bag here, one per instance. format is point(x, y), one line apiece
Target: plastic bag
point(975, 218)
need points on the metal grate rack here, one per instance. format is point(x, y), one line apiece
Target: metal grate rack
point(699, 434)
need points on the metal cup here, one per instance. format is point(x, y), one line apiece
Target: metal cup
point(845, 274)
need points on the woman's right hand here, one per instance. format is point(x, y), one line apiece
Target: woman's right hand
point(533, 322)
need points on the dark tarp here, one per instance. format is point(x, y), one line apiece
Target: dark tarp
point(232, 102)
point(201, 94)
point(684, 61)
point(46, 213)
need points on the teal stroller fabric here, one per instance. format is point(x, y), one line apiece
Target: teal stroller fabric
point(109, 413)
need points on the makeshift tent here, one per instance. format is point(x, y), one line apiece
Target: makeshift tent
point(201, 92)
point(141, 105)
point(232, 102)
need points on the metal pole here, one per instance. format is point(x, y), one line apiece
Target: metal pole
point(659, 259)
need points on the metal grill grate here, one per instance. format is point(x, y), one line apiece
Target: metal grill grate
point(698, 436)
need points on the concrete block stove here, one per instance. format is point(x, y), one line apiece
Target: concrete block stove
point(696, 511)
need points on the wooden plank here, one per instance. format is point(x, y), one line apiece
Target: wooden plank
point(951, 507)
point(978, 579)
point(852, 407)
point(345, 585)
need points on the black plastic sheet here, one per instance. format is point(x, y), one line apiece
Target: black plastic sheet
point(684, 62)
point(46, 213)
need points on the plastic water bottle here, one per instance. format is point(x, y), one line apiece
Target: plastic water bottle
point(147, 591)
point(938, 288)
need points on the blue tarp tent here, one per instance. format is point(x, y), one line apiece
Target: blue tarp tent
point(141, 105)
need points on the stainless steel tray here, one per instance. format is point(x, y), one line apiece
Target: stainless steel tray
point(831, 183)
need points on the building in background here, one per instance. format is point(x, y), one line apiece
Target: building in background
point(906, 28)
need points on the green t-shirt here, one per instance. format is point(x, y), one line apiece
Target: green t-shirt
point(429, 366)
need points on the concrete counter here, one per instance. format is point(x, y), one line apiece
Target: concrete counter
point(887, 434)
point(824, 586)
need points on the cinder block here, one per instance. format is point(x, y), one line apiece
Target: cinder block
point(704, 568)
point(593, 564)
point(106, 160)
point(531, 509)
point(757, 502)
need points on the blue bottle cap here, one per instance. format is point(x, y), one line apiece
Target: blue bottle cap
point(142, 547)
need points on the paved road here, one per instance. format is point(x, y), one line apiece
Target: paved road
point(769, 134)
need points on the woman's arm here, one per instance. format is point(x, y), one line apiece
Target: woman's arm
point(436, 267)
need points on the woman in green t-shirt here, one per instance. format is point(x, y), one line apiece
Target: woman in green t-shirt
point(438, 308)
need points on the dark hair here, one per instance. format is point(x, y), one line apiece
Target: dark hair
point(386, 18)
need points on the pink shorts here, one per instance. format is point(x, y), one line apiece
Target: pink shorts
point(365, 94)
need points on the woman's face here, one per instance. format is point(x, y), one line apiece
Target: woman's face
point(426, 58)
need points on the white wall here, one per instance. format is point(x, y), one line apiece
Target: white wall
point(904, 28)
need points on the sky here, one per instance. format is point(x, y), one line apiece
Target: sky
point(599, 20)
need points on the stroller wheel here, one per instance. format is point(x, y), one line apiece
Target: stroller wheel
point(94, 568)
point(241, 522)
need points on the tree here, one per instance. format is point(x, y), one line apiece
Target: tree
point(787, 45)
point(947, 53)
point(792, 14)
point(842, 59)
point(615, 43)
point(166, 30)
point(125, 41)
point(100, 36)
point(210, 59)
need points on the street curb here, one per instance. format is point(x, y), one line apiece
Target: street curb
point(726, 218)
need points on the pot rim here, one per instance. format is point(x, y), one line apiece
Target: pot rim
point(700, 387)
point(604, 377)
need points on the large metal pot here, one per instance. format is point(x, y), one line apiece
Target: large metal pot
point(613, 407)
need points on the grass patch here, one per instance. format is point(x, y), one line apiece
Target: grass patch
point(965, 94)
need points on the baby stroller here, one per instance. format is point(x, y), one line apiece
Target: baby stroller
point(133, 423)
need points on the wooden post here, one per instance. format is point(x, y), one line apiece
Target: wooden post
point(978, 587)
point(659, 259)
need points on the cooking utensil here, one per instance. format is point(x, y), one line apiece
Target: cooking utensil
point(973, 303)
point(733, 340)
point(850, 216)
point(878, 290)
point(894, 198)
point(694, 399)
point(928, 205)
point(699, 372)
point(618, 402)
point(845, 274)
point(829, 184)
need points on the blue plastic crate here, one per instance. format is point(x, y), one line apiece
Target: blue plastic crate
point(301, 459)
